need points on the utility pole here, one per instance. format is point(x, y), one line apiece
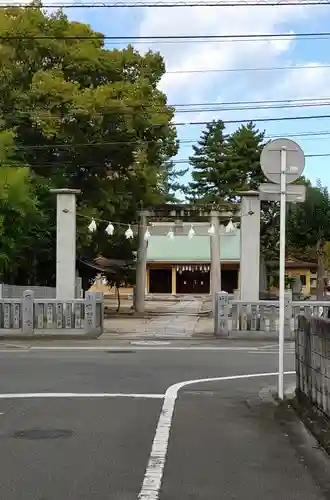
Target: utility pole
point(282, 161)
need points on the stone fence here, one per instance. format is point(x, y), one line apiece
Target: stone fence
point(30, 316)
point(232, 316)
point(313, 361)
point(40, 292)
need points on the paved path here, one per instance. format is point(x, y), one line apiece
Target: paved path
point(104, 425)
point(180, 320)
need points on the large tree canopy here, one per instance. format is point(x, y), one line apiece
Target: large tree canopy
point(84, 116)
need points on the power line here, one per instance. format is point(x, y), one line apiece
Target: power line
point(255, 108)
point(247, 39)
point(85, 165)
point(184, 161)
point(234, 70)
point(202, 107)
point(257, 120)
point(229, 122)
point(159, 4)
point(262, 102)
point(199, 38)
point(321, 134)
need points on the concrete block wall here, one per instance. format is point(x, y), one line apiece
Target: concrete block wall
point(313, 361)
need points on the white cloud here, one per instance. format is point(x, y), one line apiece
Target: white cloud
point(188, 87)
point(311, 82)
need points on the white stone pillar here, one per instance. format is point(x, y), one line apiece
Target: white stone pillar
point(250, 246)
point(66, 243)
point(141, 265)
point(215, 274)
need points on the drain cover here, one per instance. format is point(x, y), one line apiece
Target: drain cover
point(44, 434)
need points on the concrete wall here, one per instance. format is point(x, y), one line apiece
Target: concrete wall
point(313, 361)
point(40, 292)
point(16, 292)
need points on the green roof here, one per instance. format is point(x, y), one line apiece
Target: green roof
point(197, 249)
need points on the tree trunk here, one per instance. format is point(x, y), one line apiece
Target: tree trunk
point(320, 269)
point(118, 297)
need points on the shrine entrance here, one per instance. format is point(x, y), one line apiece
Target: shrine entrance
point(193, 280)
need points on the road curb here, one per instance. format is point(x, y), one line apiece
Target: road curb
point(47, 337)
point(269, 394)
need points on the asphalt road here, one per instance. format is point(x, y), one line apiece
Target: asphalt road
point(85, 425)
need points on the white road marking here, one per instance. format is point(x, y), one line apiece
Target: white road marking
point(113, 348)
point(33, 395)
point(154, 472)
point(150, 342)
point(292, 351)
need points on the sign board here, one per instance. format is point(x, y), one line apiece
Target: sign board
point(295, 193)
point(270, 160)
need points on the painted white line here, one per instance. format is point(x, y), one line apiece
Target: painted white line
point(271, 352)
point(154, 473)
point(113, 348)
point(150, 342)
point(60, 395)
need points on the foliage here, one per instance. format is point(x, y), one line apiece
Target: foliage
point(85, 117)
point(308, 222)
point(308, 228)
point(21, 218)
point(223, 164)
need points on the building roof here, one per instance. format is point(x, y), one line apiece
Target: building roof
point(294, 264)
point(182, 249)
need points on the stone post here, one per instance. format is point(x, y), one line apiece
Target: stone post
point(215, 274)
point(66, 243)
point(250, 246)
point(90, 313)
point(221, 327)
point(28, 312)
point(141, 265)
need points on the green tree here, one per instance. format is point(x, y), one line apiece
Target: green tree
point(85, 117)
point(244, 148)
point(308, 228)
point(223, 164)
point(211, 182)
point(21, 219)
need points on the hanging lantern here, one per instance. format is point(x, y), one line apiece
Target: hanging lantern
point(211, 230)
point(191, 232)
point(92, 226)
point(147, 235)
point(129, 233)
point(170, 234)
point(110, 229)
point(230, 228)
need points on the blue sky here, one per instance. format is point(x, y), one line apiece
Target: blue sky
point(184, 88)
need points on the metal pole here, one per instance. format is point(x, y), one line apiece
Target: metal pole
point(215, 258)
point(141, 265)
point(282, 274)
